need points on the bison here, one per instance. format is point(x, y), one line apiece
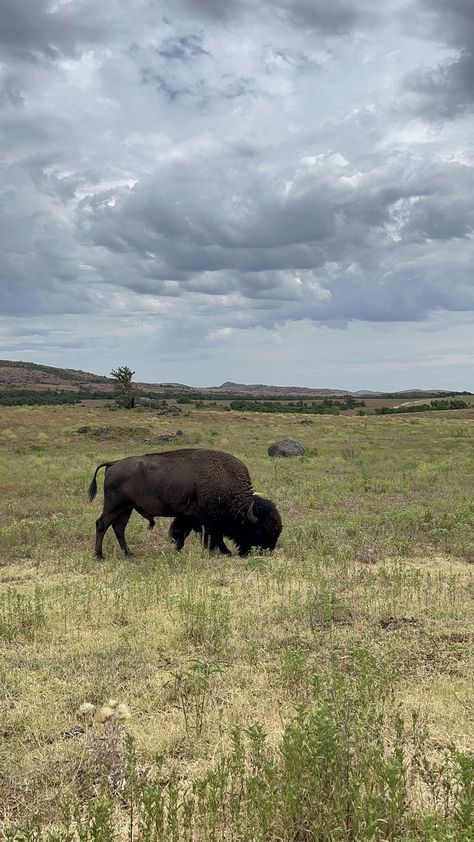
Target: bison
point(199, 488)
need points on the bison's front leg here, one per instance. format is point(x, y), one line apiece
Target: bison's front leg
point(244, 550)
point(215, 541)
point(179, 530)
point(223, 548)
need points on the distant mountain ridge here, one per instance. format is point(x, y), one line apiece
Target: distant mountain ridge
point(262, 389)
point(36, 377)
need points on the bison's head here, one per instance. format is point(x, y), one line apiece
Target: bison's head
point(259, 526)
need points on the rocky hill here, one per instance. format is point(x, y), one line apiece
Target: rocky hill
point(26, 375)
point(35, 377)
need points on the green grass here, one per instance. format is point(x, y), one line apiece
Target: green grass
point(323, 692)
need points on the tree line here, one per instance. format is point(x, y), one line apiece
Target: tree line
point(328, 406)
point(27, 397)
point(455, 403)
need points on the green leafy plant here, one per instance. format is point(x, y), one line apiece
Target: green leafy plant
point(193, 687)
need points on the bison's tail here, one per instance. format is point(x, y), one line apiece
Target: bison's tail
point(93, 486)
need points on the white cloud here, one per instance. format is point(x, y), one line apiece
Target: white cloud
point(198, 175)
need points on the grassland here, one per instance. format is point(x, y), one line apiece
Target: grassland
point(320, 693)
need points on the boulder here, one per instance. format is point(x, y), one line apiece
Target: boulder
point(170, 436)
point(83, 430)
point(168, 409)
point(286, 447)
point(150, 403)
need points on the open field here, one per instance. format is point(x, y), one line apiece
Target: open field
point(324, 692)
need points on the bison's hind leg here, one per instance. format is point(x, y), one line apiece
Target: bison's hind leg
point(118, 519)
point(118, 526)
point(100, 530)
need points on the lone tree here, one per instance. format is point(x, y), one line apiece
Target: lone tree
point(123, 386)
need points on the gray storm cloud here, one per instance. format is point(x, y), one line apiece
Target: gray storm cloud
point(447, 89)
point(364, 236)
point(254, 163)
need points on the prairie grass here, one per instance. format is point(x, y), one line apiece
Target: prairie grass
point(323, 692)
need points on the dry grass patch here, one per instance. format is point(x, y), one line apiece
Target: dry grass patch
point(326, 640)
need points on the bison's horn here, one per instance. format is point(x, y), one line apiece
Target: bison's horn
point(251, 515)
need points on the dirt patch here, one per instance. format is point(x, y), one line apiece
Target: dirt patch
point(438, 563)
point(458, 637)
point(16, 566)
point(8, 578)
point(368, 555)
point(399, 622)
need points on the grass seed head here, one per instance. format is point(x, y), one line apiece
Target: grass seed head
point(104, 713)
point(86, 710)
point(122, 712)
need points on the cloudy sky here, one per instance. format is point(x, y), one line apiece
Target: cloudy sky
point(278, 191)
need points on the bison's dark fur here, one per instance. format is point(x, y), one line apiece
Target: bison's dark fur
point(200, 488)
